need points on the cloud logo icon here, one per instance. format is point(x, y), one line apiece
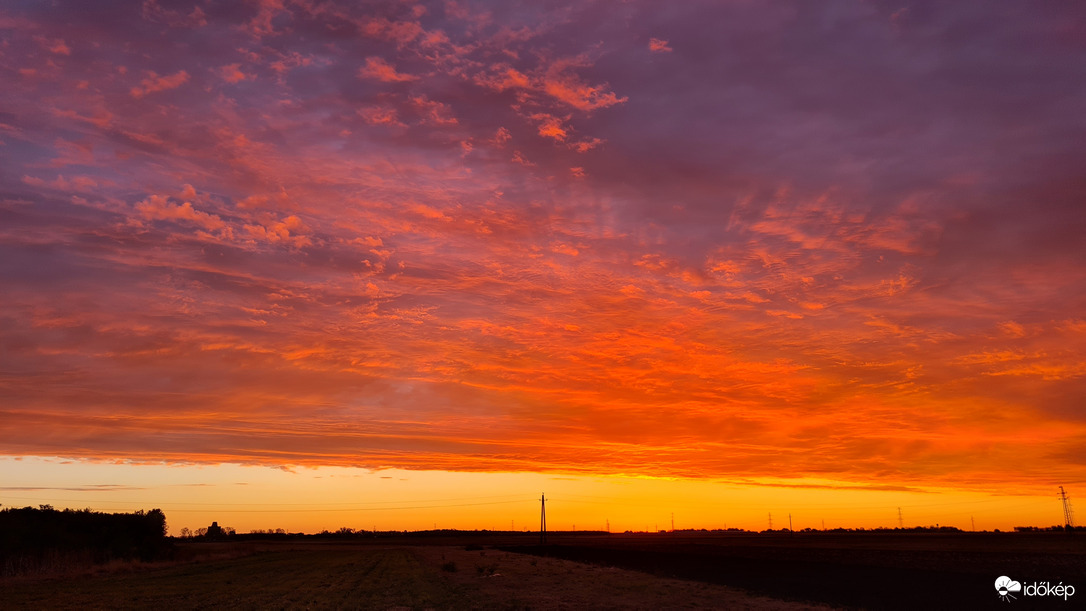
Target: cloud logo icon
point(1005, 585)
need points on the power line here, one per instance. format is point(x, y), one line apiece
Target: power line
point(322, 505)
point(629, 502)
point(972, 511)
point(330, 509)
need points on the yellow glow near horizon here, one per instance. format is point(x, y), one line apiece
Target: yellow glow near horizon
point(315, 499)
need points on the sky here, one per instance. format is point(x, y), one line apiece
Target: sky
point(738, 257)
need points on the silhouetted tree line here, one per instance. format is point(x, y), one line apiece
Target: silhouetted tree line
point(1034, 529)
point(878, 529)
point(42, 539)
point(347, 533)
point(212, 532)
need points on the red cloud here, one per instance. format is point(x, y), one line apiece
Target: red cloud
point(56, 46)
point(232, 73)
point(501, 137)
point(561, 84)
point(585, 145)
point(558, 82)
point(551, 127)
point(433, 112)
point(158, 207)
point(657, 45)
point(505, 78)
point(154, 83)
point(261, 23)
point(291, 230)
point(380, 115)
point(377, 68)
point(401, 32)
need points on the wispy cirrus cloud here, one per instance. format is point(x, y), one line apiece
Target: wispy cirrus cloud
point(91, 488)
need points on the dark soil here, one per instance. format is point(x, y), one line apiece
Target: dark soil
point(871, 571)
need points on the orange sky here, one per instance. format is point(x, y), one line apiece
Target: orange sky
point(725, 245)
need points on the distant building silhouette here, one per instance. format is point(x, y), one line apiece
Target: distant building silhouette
point(214, 531)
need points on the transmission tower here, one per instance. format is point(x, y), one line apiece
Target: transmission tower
point(542, 519)
point(900, 520)
point(1068, 512)
point(771, 520)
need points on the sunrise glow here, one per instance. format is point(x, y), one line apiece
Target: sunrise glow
point(311, 264)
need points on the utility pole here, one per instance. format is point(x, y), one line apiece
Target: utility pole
point(789, 524)
point(823, 524)
point(973, 523)
point(771, 520)
point(542, 518)
point(673, 521)
point(1068, 512)
point(900, 520)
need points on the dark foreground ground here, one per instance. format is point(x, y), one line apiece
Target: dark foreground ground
point(865, 570)
point(359, 575)
point(682, 570)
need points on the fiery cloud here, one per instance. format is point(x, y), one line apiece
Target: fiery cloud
point(377, 68)
point(657, 45)
point(155, 83)
point(232, 73)
point(799, 246)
